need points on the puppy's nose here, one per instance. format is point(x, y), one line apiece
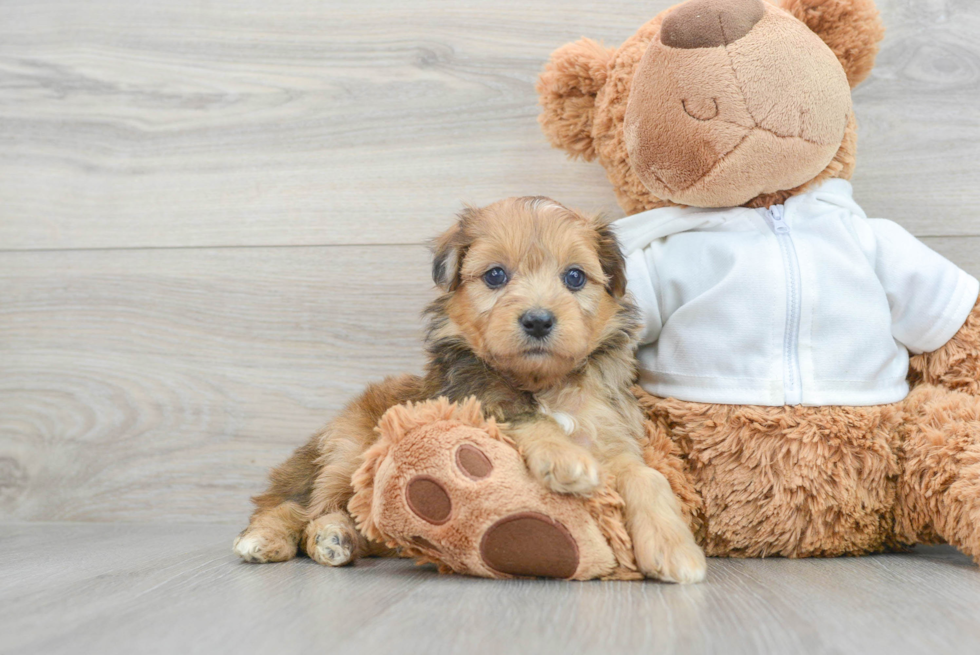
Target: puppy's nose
point(537, 323)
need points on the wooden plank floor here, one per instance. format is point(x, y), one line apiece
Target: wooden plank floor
point(123, 588)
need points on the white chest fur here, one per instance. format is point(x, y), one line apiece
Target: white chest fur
point(564, 419)
point(570, 411)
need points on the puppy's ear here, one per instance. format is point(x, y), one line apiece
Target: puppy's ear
point(852, 29)
point(611, 258)
point(448, 252)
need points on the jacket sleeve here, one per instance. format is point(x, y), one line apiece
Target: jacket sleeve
point(929, 296)
point(642, 284)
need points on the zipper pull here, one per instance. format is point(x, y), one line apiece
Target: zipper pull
point(778, 217)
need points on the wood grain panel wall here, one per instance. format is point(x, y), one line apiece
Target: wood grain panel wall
point(210, 213)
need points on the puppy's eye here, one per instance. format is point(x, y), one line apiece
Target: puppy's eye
point(574, 279)
point(495, 278)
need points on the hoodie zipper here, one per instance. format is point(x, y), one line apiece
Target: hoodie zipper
point(792, 378)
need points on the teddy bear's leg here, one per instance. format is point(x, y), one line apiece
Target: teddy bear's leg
point(782, 481)
point(956, 365)
point(662, 540)
point(939, 490)
point(445, 485)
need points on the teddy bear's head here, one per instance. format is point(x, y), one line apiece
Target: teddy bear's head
point(717, 103)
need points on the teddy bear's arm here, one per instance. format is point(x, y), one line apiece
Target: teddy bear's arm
point(956, 365)
point(929, 296)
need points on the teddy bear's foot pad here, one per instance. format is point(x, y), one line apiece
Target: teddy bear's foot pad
point(530, 544)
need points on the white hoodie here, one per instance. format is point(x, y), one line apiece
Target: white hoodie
point(808, 303)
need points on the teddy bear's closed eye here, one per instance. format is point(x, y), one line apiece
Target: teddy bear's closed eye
point(701, 110)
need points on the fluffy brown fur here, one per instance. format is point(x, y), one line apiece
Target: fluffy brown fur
point(565, 396)
point(798, 481)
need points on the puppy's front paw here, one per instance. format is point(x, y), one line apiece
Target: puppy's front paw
point(333, 545)
point(677, 559)
point(564, 468)
point(258, 546)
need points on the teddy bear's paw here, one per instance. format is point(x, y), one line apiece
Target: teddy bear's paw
point(564, 468)
point(448, 487)
point(333, 544)
point(258, 546)
point(672, 560)
point(521, 544)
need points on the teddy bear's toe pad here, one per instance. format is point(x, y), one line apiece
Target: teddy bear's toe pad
point(428, 499)
point(472, 462)
point(530, 544)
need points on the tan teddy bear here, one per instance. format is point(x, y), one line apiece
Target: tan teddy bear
point(817, 371)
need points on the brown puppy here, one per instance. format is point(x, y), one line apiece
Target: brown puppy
point(533, 321)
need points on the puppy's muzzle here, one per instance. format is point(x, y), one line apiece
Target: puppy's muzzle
point(537, 323)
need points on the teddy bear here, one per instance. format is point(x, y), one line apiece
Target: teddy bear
point(811, 376)
point(817, 371)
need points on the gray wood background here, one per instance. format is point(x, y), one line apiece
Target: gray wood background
point(212, 213)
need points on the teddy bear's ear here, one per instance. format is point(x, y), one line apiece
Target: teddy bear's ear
point(852, 29)
point(567, 91)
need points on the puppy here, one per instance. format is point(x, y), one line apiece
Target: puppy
point(533, 320)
